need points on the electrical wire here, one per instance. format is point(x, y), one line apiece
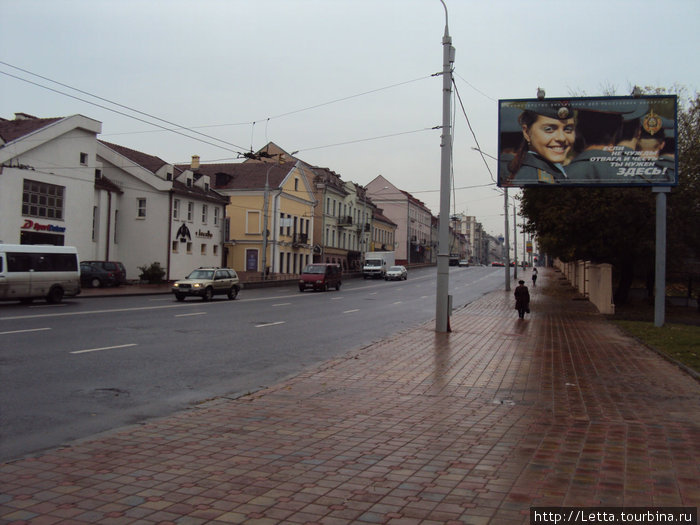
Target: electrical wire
point(368, 139)
point(120, 112)
point(472, 131)
point(178, 126)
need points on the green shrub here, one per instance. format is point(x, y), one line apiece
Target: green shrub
point(153, 274)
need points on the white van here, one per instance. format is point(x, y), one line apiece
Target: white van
point(31, 271)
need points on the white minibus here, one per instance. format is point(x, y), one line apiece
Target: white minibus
point(31, 271)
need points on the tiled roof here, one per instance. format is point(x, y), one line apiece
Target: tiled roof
point(198, 193)
point(13, 129)
point(243, 176)
point(150, 162)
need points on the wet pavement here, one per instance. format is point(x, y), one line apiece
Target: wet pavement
point(472, 427)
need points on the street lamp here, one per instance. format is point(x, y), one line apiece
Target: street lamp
point(443, 268)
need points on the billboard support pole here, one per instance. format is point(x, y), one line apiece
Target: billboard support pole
point(660, 266)
point(507, 250)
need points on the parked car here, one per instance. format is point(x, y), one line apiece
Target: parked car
point(463, 262)
point(207, 282)
point(496, 263)
point(115, 267)
point(320, 276)
point(396, 273)
point(95, 276)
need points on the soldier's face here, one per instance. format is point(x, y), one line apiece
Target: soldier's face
point(551, 138)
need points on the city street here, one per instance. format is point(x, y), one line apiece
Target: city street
point(89, 365)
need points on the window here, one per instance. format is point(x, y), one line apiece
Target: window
point(40, 199)
point(203, 249)
point(176, 209)
point(189, 247)
point(216, 216)
point(252, 222)
point(296, 184)
point(83, 159)
point(94, 223)
point(141, 206)
point(190, 210)
point(215, 248)
point(175, 245)
point(205, 212)
point(116, 224)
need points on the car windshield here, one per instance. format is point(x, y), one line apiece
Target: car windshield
point(395, 269)
point(315, 269)
point(201, 274)
point(373, 262)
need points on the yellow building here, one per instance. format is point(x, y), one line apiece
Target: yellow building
point(273, 197)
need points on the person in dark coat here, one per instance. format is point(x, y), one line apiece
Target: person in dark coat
point(522, 299)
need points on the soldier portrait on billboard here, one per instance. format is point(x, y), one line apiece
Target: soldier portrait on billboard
point(546, 136)
point(609, 141)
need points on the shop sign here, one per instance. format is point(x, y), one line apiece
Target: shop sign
point(31, 225)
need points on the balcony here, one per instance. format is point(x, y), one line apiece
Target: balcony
point(345, 220)
point(300, 239)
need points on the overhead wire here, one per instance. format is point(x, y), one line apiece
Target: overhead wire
point(178, 126)
point(464, 111)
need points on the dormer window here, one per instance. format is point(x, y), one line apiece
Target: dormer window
point(168, 176)
point(189, 183)
point(206, 186)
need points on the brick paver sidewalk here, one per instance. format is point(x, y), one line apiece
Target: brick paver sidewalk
point(472, 427)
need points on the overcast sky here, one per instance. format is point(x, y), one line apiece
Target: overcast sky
point(328, 78)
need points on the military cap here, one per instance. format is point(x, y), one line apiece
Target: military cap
point(557, 109)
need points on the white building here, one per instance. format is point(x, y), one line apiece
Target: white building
point(60, 185)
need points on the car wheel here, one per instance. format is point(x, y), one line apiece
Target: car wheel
point(301, 288)
point(95, 282)
point(180, 297)
point(208, 294)
point(55, 295)
point(233, 292)
point(337, 286)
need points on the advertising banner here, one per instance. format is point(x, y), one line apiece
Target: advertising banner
point(588, 141)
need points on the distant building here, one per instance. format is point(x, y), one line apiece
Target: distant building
point(414, 233)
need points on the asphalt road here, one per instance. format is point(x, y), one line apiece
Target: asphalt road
point(85, 366)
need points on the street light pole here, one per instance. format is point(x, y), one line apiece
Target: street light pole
point(266, 197)
point(443, 264)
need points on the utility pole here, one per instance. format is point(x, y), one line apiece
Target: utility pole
point(266, 198)
point(515, 245)
point(507, 248)
point(443, 265)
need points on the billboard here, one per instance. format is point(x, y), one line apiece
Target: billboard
point(588, 141)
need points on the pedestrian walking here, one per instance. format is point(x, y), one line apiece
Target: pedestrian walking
point(534, 276)
point(522, 299)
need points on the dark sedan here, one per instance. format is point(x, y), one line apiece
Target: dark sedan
point(94, 276)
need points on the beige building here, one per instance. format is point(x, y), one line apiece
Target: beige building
point(269, 216)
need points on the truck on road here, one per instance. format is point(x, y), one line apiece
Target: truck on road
point(376, 264)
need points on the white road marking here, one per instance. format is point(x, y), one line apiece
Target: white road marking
point(351, 311)
point(282, 304)
point(194, 313)
point(24, 331)
point(263, 325)
point(103, 348)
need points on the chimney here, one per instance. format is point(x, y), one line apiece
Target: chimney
point(24, 116)
point(195, 162)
